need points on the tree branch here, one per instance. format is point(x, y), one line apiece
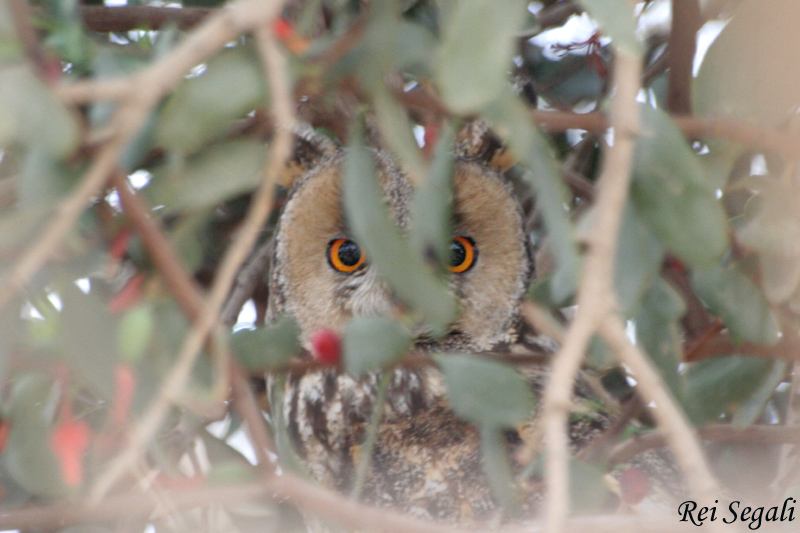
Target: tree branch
point(176, 278)
point(686, 22)
point(670, 418)
point(596, 298)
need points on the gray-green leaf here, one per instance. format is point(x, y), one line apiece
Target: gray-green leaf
point(267, 348)
point(373, 343)
point(485, 392)
point(669, 192)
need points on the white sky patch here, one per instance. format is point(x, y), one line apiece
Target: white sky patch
point(113, 200)
point(419, 134)
point(247, 317)
point(239, 440)
point(707, 35)
point(656, 19)
point(758, 166)
point(84, 285)
point(577, 29)
point(55, 299)
point(139, 179)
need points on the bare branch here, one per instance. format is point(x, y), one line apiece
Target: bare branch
point(176, 278)
point(670, 418)
point(596, 298)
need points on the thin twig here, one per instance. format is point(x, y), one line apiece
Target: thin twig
point(670, 418)
point(246, 282)
point(177, 280)
point(596, 298)
point(247, 407)
point(46, 65)
point(283, 110)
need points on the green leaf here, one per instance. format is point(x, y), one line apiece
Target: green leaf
point(731, 295)
point(716, 386)
point(432, 207)
point(206, 105)
point(267, 348)
point(485, 392)
point(373, 343)
point(88, 334)
point(497, 465)
point(28, 456)
point(638, 262)
point(395, 128)
point(616, 19)
point(475, 55)
point(135, 332)
point(43, 179)
point(406, 272)
point(669, 192)
point(511, 119)
point(658, 332)
point(746, 73)
point(37, 118)
point(231, 473)
point(207, 179)
point(747, 414)
point(589, 491)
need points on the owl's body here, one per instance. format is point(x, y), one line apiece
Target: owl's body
point(427, 461)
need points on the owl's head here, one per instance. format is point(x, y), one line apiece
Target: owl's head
point(323, 278)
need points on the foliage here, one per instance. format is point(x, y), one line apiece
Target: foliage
point(707, 271)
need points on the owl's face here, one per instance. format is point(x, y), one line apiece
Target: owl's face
point(323, 278)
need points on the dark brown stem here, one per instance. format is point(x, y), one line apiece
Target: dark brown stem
point(127, 18)
point(682, 45)
point(176, 278)
point(247, 407)
point(20, 12)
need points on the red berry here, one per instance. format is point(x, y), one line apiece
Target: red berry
point(119, 244)
point(125, 382)
point(69, 442)
point(633, 483)
point(283, 29)
point(326, 347)
point(128, 296)
point(3, 435)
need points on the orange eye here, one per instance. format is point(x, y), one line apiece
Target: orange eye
point(344, 255)
point(462, 254)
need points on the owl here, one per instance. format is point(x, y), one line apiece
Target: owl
point(426, 461)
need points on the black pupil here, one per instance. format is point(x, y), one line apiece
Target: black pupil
point(458, 254)
point(349, 253)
